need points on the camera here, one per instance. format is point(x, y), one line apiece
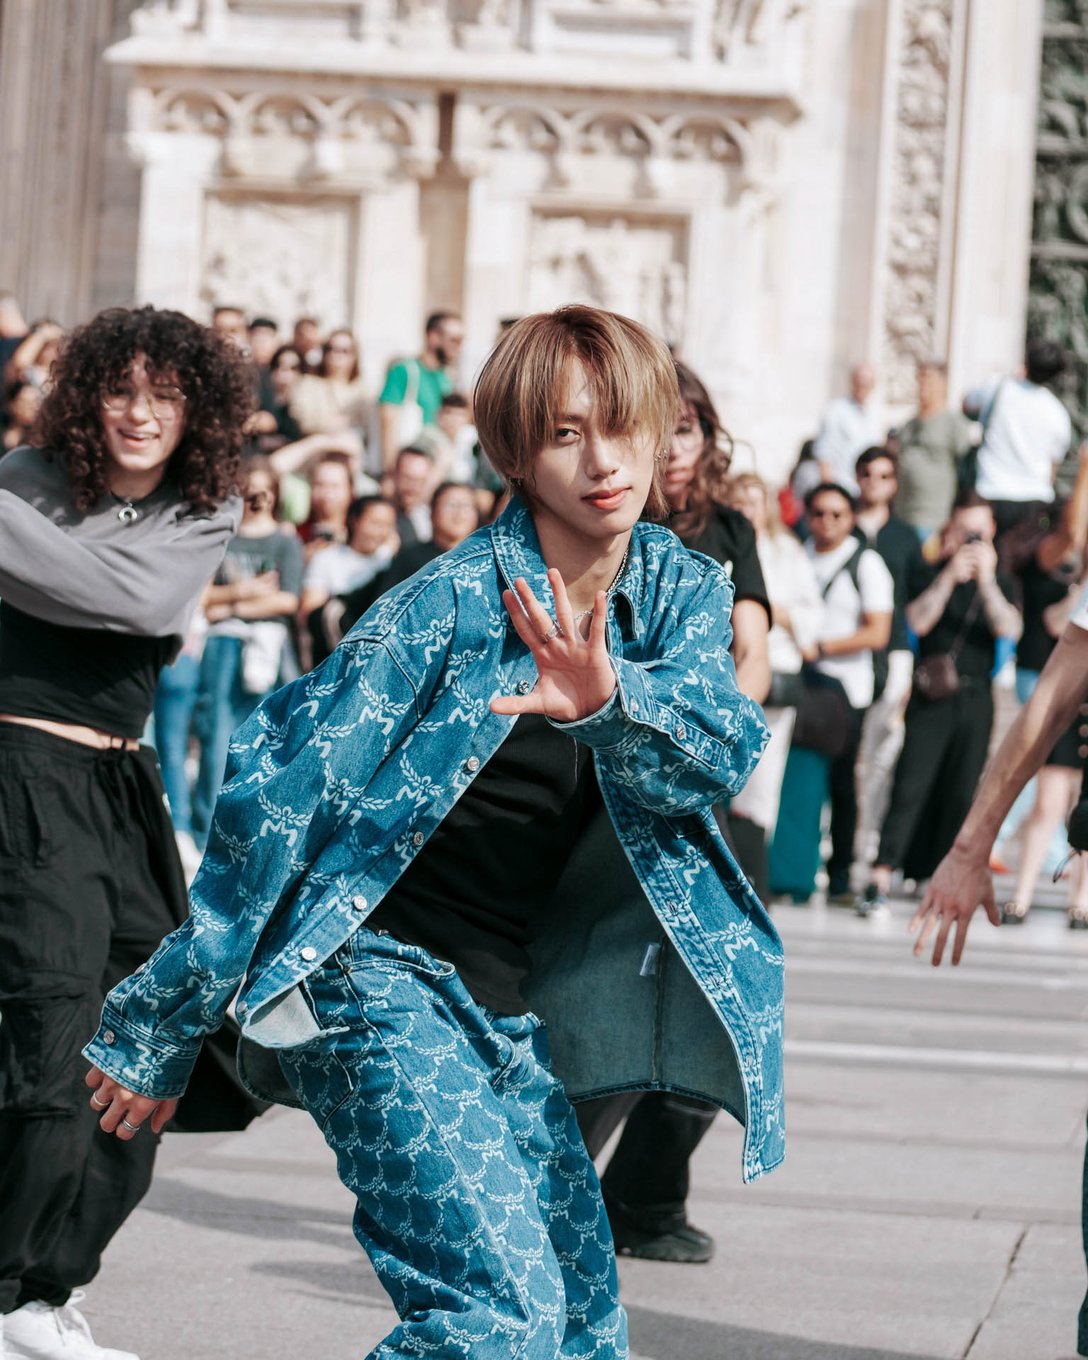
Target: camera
point(973, 538)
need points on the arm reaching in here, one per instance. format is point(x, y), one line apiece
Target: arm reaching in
point(962, 881)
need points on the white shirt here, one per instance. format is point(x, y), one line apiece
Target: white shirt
point(846, 431)
point(339, 568)
point(791, 585)
point(1028, 431)
point(843, 608)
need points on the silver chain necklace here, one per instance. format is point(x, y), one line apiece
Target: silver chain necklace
point(585, 613)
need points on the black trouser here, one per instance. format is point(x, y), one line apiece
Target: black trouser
point(89, 884)
point(944, 750)
point(843, 788)
point(646, 1182)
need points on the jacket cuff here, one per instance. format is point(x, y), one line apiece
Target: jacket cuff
point(139, 1061)
point(630, 709)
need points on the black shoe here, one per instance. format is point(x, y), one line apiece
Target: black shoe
point(1013, 914)
point(685, 1245)
point(872, 899)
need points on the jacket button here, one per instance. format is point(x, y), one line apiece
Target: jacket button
point(418, 838)
point(309, 953)
point(359, 903)
point(523, 687)
point(108, 1037)
point(472, 764)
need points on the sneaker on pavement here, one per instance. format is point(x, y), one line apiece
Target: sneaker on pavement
point(39, 1332)
point(870, 900)
point(685, 1245)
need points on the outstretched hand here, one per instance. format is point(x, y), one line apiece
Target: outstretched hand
point(124, 1112)
point(575, 675)
point(960, 885)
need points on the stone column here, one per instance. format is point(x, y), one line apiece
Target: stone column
point(54, 92)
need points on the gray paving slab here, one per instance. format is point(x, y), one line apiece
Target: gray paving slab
point(924, 1213)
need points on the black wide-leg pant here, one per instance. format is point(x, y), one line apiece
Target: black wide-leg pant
point(89, 884)
point(944, 751)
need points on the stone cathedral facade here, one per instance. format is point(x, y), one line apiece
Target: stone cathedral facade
point(778, 187)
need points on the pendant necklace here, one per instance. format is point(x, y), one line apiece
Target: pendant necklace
point(126, 511)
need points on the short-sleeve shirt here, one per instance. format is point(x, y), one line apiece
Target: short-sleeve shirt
point(248, 557)
point(929, 454)
point(975, 655)
point(338, 569)
point(730, 540)
point(899, 548)
point(844, 604)
point(1028, 432)
point(432, 384)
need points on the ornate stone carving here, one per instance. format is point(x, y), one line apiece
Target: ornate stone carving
point(629, 265)
point(284, 258)
point(1058, 298)
point(329, 125)
point(912, 327)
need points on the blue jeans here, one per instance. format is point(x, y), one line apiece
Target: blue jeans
point(222, 705)
point(175, 699)
point(476, 1200)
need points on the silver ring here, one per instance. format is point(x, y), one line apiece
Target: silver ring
point(553, 632)
point(99, 1104)
point(132, 1128)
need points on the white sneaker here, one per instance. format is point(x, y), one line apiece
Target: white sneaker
point(38, 1332)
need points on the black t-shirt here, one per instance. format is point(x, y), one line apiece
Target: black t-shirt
point(478, 892)
point(898, 546)
point(975, 657)
point(1040, 589)
point(730, 539)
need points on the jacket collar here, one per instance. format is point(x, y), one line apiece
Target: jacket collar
point(517, 552)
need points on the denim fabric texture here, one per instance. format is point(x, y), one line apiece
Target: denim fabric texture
point(336, 781)
point(476, 1200)
point(175, 699)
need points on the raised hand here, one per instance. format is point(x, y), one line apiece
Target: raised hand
point(575, 676)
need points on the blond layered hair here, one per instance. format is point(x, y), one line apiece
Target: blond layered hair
point(522, 386)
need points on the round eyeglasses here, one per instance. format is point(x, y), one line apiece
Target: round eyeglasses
point(165, 403)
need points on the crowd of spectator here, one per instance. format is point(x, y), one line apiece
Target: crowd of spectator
point(898, 572)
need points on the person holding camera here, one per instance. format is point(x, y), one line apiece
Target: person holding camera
point(959, 607)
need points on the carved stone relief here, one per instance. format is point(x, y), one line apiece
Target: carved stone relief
point(1058, 299)
point(628, 265)
point(279, 258)
point(912, 325)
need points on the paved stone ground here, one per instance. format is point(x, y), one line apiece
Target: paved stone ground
point(928, 1207)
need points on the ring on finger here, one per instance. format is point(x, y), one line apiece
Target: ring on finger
point(132, 1128)
point(553, 632)
point(98, 1104)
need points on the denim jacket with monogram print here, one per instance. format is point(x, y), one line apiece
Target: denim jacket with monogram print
point(661, 969)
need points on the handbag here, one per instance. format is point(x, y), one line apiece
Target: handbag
point(825, 720)
point(787, 690)
point(936, 677)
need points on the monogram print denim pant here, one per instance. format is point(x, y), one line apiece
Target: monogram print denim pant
point(476, 1201)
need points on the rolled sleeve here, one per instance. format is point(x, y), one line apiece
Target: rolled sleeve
point(146, 1063)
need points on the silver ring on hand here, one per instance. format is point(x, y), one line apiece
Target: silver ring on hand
point(132, 1128)
point(553, 632)
point(99, 1104)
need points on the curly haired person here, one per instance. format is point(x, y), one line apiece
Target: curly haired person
point(111, 523)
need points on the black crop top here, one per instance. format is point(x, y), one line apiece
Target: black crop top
point(79, 675)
